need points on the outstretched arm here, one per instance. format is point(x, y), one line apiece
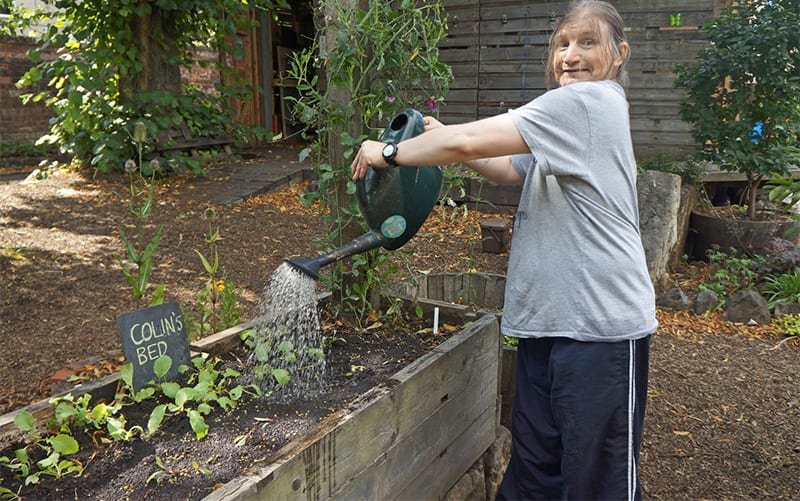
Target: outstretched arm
point(485, 146)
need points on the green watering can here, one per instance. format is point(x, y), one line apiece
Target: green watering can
point(395, 201)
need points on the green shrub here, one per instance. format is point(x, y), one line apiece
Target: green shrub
point(784, 287)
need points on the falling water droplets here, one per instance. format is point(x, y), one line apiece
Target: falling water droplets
point(288, 339)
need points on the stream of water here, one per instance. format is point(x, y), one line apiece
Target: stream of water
point(288, 339)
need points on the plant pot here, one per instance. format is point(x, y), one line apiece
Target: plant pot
point(749, 236)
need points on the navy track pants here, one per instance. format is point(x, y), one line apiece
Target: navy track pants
point(577, 420)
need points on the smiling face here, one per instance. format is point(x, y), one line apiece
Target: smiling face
point(588, 45)
point(582, 54)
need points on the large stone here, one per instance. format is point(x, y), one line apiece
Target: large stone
point(470, 487)
point(659, 208)
point(482, 480)
point(705, 301)
point(748, 306)
point(674, 299)
point(783, 308)
point(496, 460)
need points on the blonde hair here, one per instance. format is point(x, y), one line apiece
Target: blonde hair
point(608, 22)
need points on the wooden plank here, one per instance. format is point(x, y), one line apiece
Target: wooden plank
point(533, 53)
point(494, 291)
point(676, 6)
point(460, 58)
point(453, 288)
point(472, 442)
point(391, 436)
point(445, 406)
point(436, 288)
point(475, 285)
point(659, 125)
point(196, 143)
point(690, 16)
point(507, 384)
point(479, 189)
point(495, 10)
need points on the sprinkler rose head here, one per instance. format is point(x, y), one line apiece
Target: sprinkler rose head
point(308, 266)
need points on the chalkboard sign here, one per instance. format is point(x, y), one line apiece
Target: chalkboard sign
point(149, 333)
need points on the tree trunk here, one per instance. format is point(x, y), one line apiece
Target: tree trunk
point(338, 161)
point(159, 71)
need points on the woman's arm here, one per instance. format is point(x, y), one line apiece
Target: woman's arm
point(484, 145)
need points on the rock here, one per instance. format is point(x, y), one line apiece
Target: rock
point(748, 305)
point(674, 299)
point(787, 308)
point(470, 487)
point(706, 301)
point(482, 480)
point(659, 205)
point(495, 461)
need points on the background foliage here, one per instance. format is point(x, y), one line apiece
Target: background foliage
point(744, 93)
point(369, 62)
point(104, 77)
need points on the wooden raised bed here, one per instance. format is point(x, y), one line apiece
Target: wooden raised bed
point(411, 437)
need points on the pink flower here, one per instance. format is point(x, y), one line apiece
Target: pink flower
point(390, 99)
point(431, 102)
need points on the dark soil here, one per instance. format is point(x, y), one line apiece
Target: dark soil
point(247, 435)
point(722, 420)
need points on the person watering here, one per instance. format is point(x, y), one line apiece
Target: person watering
point(578, 294)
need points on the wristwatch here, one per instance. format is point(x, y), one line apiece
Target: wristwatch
point(389, 152)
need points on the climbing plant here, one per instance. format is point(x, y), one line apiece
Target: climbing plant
point(118, 61)
point(370, 61)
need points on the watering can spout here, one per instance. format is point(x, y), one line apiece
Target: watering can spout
point(395, 201)
point(368, 241)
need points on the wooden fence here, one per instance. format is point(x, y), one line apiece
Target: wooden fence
point(498, 48)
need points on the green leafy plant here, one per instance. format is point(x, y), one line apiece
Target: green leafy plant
point(743, 99)
point(271, 347)
point(785, 193)
point(139, 255)
point(376, 60)
point(6, 493)
point(783, 287)
point(732, 271)
point(217, 303)
point(161, 472)
point(54, 449)
point(120, 60)
point(790, 324)
point(206, 388)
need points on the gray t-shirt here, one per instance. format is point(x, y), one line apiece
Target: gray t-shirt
point(577, 267)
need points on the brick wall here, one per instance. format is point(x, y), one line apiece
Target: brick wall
point(18, 122)
point(25, 123)
point(204, 78)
